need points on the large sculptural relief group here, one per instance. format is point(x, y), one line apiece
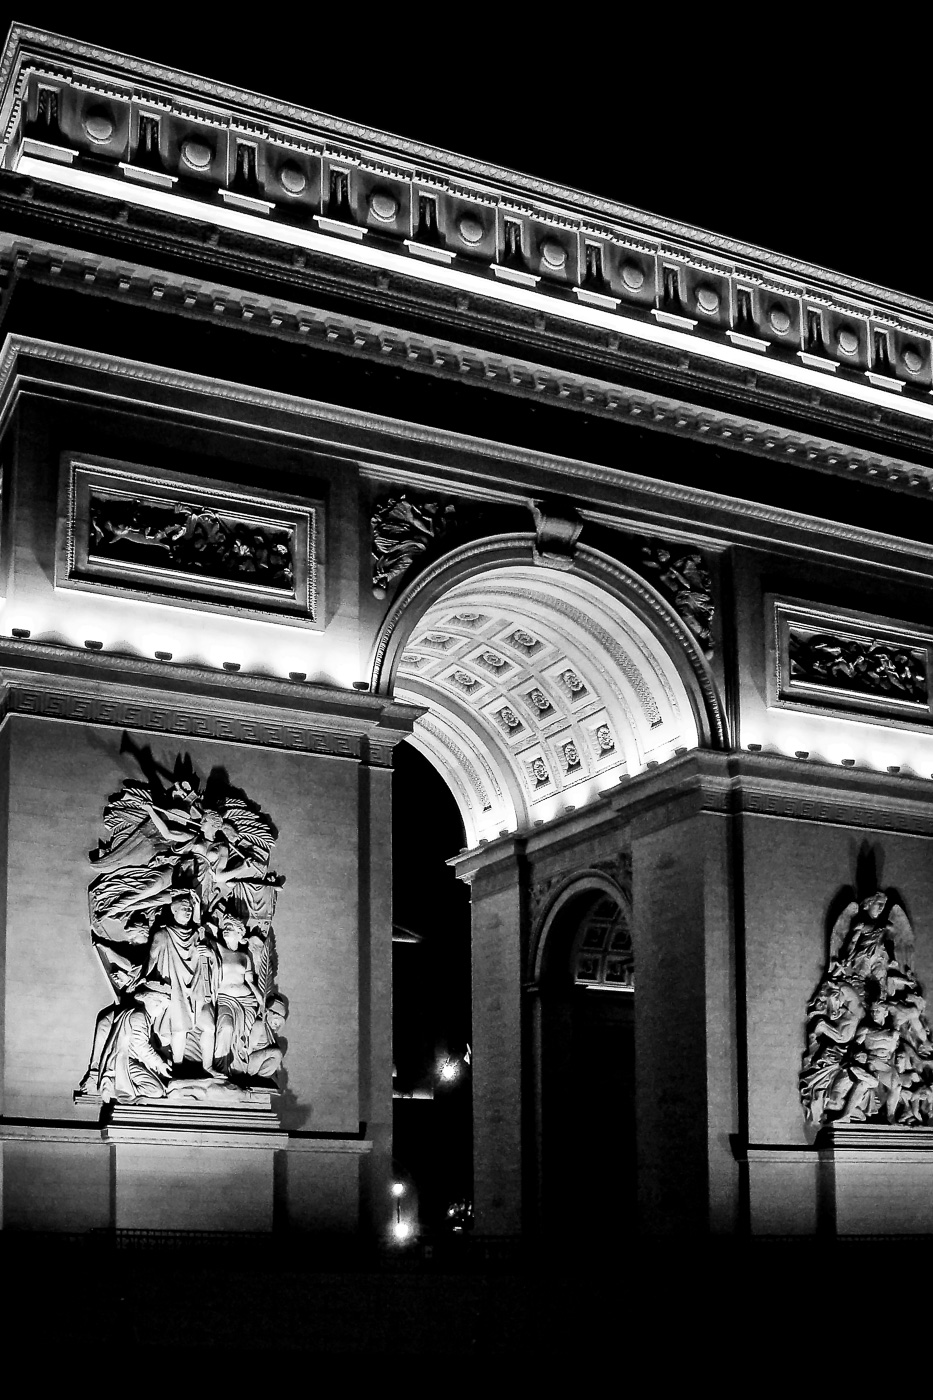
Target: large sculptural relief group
point(869, 1056)
point(181, 912)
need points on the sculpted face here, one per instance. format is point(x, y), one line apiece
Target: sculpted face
point(233, 932)
point(183, 908)
point(874, 907)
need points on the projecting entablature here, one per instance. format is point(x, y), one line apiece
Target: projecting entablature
point(162, 142)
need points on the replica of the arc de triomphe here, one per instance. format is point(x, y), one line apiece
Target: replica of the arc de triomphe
point(316, 441)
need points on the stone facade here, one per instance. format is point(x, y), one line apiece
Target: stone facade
point(302, 459)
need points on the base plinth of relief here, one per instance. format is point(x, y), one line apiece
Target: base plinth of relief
point(882, 1178)
point(181, 1165)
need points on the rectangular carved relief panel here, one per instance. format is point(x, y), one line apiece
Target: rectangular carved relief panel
point(849, 662)
point(148, 533)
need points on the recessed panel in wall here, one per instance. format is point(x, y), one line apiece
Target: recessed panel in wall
point(849, 663)
point(174, 538)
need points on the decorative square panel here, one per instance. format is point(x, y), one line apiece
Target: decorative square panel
point(570, 755)
point(492, 661)
point(472, 620)
point(572, 684)
point(437, 641)
point(465, 682)
point(849, 662)
point(507, 720)
point(524, 642)
point(539, 704)
point(180, 539)
point(414, 661)
point(539, 775)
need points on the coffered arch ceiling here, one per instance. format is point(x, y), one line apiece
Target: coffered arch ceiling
point(542, 692)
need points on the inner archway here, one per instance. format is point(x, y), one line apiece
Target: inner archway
point(585, 1063)
point(542, 691)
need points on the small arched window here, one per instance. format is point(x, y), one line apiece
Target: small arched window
point(602, 952)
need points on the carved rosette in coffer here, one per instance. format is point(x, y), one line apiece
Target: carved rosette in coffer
point(174, 538)
point(850, 663)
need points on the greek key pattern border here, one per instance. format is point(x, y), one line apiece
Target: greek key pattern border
point(178, 719)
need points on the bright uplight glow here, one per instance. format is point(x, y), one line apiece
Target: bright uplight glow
point(194, 638)
point(398, 1188)
point(351, 251)
point(449, 1070)
point(402, 1231)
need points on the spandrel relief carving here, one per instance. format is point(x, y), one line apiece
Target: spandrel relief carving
point(402, 532)
point(685, 581)
point(181, 910)
point(869, 1055)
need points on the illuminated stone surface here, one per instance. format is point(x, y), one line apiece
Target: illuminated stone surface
point(554, 527)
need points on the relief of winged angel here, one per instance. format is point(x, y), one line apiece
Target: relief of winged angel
point(869, 1055)
point(181, 911)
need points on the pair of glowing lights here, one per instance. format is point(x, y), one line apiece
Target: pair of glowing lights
point(402, 1230)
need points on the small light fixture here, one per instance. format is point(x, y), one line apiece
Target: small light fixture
point(94, 646)
point(297, 675)
point(540, 820)
point(754, 748)
point(504, 831)
point(894, 768)
point(652, 763)
point(569, 807)
point(801, 753)
point(163, 656)
point(231, 665)
point(682, 750)
point(398, 1188)
point(361, 685)
point(848, 763)
point(449, 1071)
point(401, 1230)
point(21, 632)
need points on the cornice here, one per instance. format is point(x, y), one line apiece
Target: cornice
point(26, 361)
point(603, 376)
point(774, 787)
point(864, 366)
point(173, 89)
point(56, 682)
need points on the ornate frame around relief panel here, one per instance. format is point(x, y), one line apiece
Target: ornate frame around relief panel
point(208, 547)
point(850, 664)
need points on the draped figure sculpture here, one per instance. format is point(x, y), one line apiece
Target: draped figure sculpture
point(181, 910)
point(869, 1055)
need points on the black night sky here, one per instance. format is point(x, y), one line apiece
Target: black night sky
point(808, 136)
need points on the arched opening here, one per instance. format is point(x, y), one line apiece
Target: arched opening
point(541, 690)
point(586, 1068)
point(431, 1032)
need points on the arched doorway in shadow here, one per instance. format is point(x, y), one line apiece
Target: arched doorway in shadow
point(586, 1068)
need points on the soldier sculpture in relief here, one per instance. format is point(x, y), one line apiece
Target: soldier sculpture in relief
point(181, 911)
point(869, 1055)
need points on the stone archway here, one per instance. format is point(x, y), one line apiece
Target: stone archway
point(542, 689)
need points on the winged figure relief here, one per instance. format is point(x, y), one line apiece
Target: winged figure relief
point(869, 1055)
point(181, 910)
